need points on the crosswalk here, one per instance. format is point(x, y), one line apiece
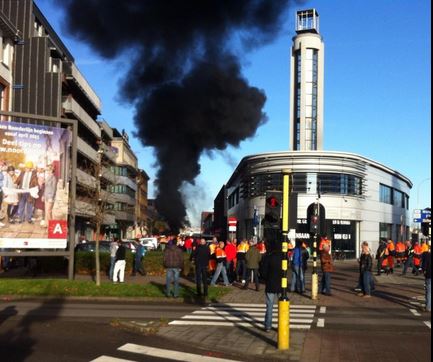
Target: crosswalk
point(138, 352)
point(245, 315)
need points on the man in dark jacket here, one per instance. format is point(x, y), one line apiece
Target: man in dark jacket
point(271, 272)
point(298, 266)
point(201, 256)
point(173, 263)
point(252, 259)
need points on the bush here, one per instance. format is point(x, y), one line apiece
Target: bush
point(85, 262)
point(152, 262)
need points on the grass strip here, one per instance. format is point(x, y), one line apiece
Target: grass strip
point(75, 288)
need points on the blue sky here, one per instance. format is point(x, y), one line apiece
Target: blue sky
point(377, 91)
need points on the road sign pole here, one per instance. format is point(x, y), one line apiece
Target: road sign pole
point(284, 302)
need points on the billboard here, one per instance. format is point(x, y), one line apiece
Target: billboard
point(34, 186)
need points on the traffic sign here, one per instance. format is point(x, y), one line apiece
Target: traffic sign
point(232, 222)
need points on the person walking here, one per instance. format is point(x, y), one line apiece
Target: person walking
point(400, 251)
point(382, 257)
point(298, 284)
point(221, 258)
point(271, 272)
point(230, 250)
point(391, 254)
point(365, 268)
point(426, 267)
point(113, 249)
point(201, 256)
point(417, 258)
point(241, 251)
point(327, 269)
point(409, 257)
point(119, 266)
point(252, 262)
point(173, 263)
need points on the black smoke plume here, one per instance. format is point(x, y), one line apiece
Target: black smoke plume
point(184, 77)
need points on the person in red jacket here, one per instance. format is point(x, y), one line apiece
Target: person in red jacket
point(230, 250)
point(188, 245)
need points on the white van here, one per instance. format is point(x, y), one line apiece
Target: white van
point(149, 243)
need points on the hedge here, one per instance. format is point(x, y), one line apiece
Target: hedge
point(152, 262)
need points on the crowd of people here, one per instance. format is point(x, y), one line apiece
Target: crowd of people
point(27, 193)
point(244, 261)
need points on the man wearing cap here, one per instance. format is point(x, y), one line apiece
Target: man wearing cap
point(25, 181)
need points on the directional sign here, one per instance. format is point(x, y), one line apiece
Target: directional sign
point(426, 214)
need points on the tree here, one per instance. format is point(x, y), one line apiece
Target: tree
point(96, 181)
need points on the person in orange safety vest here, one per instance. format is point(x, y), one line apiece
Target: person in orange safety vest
point(391, 253)
point(212, 260)
point(400, 252)
point(417, 257)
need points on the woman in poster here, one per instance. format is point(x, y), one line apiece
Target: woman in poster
point(49, 193)
point(10, 196)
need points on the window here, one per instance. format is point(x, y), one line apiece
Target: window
point(385, 231)
point(6, 52)
point(398, 199)
point(385, 194)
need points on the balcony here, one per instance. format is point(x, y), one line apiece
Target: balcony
point(87, 150)
point(123, 180)
point(109, 152)
point(126, 199)
point(71, 106)
point(109, 175)
point(72, 73)
point(85, 179)
point(106, 128)
point(124, 216)
point(83, 208)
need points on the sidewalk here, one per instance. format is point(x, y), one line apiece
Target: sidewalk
point(394, 292)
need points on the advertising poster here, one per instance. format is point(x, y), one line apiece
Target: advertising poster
point(34, 187)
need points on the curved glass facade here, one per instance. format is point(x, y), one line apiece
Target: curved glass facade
point(307, 183)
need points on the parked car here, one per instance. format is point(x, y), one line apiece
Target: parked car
point(129, 244)
point(104, 246)
point(149, 243)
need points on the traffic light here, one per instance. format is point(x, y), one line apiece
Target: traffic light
point(314, 219)
point(314, 224)
point(273, 210)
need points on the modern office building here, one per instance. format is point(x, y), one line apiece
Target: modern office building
point(359, 199)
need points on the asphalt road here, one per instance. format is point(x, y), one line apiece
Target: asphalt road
point(58, 330)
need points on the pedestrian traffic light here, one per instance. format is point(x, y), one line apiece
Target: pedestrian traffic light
point(273, 210)
point(314, 224)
